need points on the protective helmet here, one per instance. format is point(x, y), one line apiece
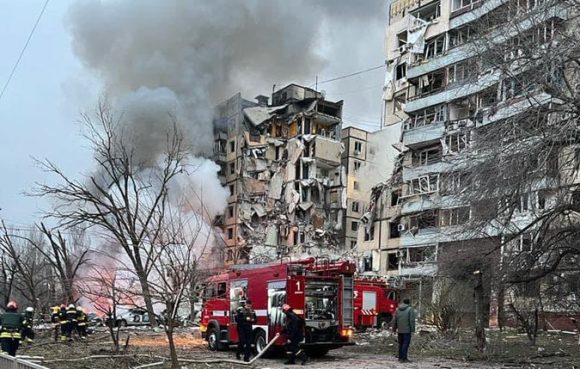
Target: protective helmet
point(30, 309)
point(79, 308)
point(286, 307)
point(12, 305)
point(71, 306)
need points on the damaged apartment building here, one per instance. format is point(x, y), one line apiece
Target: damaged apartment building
point(282, 164)
point(440, 93)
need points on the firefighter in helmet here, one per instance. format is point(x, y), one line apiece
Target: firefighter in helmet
point(27, 332)
point(245, 318)
point(63, 323)
point(12, 323)
point(54, 319)
point(82, 321)
point(294, 332)
point(71, 317)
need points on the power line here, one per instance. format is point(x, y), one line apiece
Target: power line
point(23, 50)
point(349, 75)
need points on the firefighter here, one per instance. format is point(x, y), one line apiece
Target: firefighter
point(12, 324)
point(63, 323)
point(294, 332)
point(82, 321)
point(245, 318)
point(54, 319)
point(71, 317)
point(27, 332)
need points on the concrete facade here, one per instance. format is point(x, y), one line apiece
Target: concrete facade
point(283, 165)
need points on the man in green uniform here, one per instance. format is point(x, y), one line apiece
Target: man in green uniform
point(404, 325)
point(12, 323)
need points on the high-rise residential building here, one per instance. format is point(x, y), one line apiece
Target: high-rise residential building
point(445, 93)
point(282, 164)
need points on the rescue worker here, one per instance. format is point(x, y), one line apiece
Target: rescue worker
point(54, 318)
point(71, 317)
point(12, 323)
point(82, 321)
point(294, 332)
point(27, 332)
point(245, 318)
point(63, 322)
point(404, 326)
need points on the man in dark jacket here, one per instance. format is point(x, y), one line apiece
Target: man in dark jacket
point(245, 318)
point(294, 332)
point(12, 323)
point(71, 317)
point(404, 325)
point(27, 331)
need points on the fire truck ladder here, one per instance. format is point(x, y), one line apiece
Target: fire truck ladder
point(347, 300)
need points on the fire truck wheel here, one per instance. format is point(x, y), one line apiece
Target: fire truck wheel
point(260, 340)
point(213, 342)
point(383, 321)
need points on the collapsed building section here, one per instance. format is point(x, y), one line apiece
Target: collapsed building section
point(282, 165)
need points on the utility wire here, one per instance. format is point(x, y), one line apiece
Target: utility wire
point(23, 50)
point(349, 75)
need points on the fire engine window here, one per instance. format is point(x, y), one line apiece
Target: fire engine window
point(238, 295)
point(209, 291)
point(221, 290)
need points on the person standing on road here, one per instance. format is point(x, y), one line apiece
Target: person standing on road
point(294, 332)
point(63, 322)
point(245, 318)
point(404, 325)
point(12, 323)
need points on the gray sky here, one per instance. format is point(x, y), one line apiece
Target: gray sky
point(38, 112)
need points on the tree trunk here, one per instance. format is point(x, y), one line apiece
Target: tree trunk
point(479, 313)
point(172, 351)
point(147, 297)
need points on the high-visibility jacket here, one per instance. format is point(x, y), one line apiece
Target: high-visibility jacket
point(54, 314)
point(28, 319)
point(12, 323)
point(71, 315)
point(81, 318)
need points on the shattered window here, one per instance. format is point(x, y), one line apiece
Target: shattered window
point(357, 147)
point(457, 142)
point(401, 71)
point(454, 216)
point(355, 206)
point(354, 225)
point(435, 47)
point(232, 168)
point(427, 219)
point(402, 39)
point(424, 184)
point(421, 254)
point(428, 156)
point(230, 233)
point(352, 244)
point(392, 261)
point(356, 185)
point(232, 146)
point(357, 165)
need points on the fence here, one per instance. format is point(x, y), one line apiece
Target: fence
point(9, 362)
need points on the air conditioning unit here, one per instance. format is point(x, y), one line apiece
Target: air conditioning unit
point(401, 227)
point(401, 254)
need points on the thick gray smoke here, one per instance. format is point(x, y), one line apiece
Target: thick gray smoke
point(172, 60)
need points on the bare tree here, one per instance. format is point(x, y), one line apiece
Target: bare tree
point(31, 269)
point(181, 246)
point(124, 199)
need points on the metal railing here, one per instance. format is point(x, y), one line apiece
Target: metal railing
point(9, 362)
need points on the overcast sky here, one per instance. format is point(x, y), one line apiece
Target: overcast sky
point(54, 84)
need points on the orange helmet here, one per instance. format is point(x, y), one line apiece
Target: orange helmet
point(12, 305)
point(286, 307)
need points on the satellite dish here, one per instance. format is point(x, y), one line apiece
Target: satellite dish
point(323, 93)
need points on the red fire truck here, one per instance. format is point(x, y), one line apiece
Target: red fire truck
point(320, 291)
point(374, 303)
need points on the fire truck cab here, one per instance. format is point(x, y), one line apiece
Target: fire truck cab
point(321, 292)
point(374, 303)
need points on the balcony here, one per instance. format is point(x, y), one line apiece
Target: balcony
point(327, 152)
point(424, 134)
